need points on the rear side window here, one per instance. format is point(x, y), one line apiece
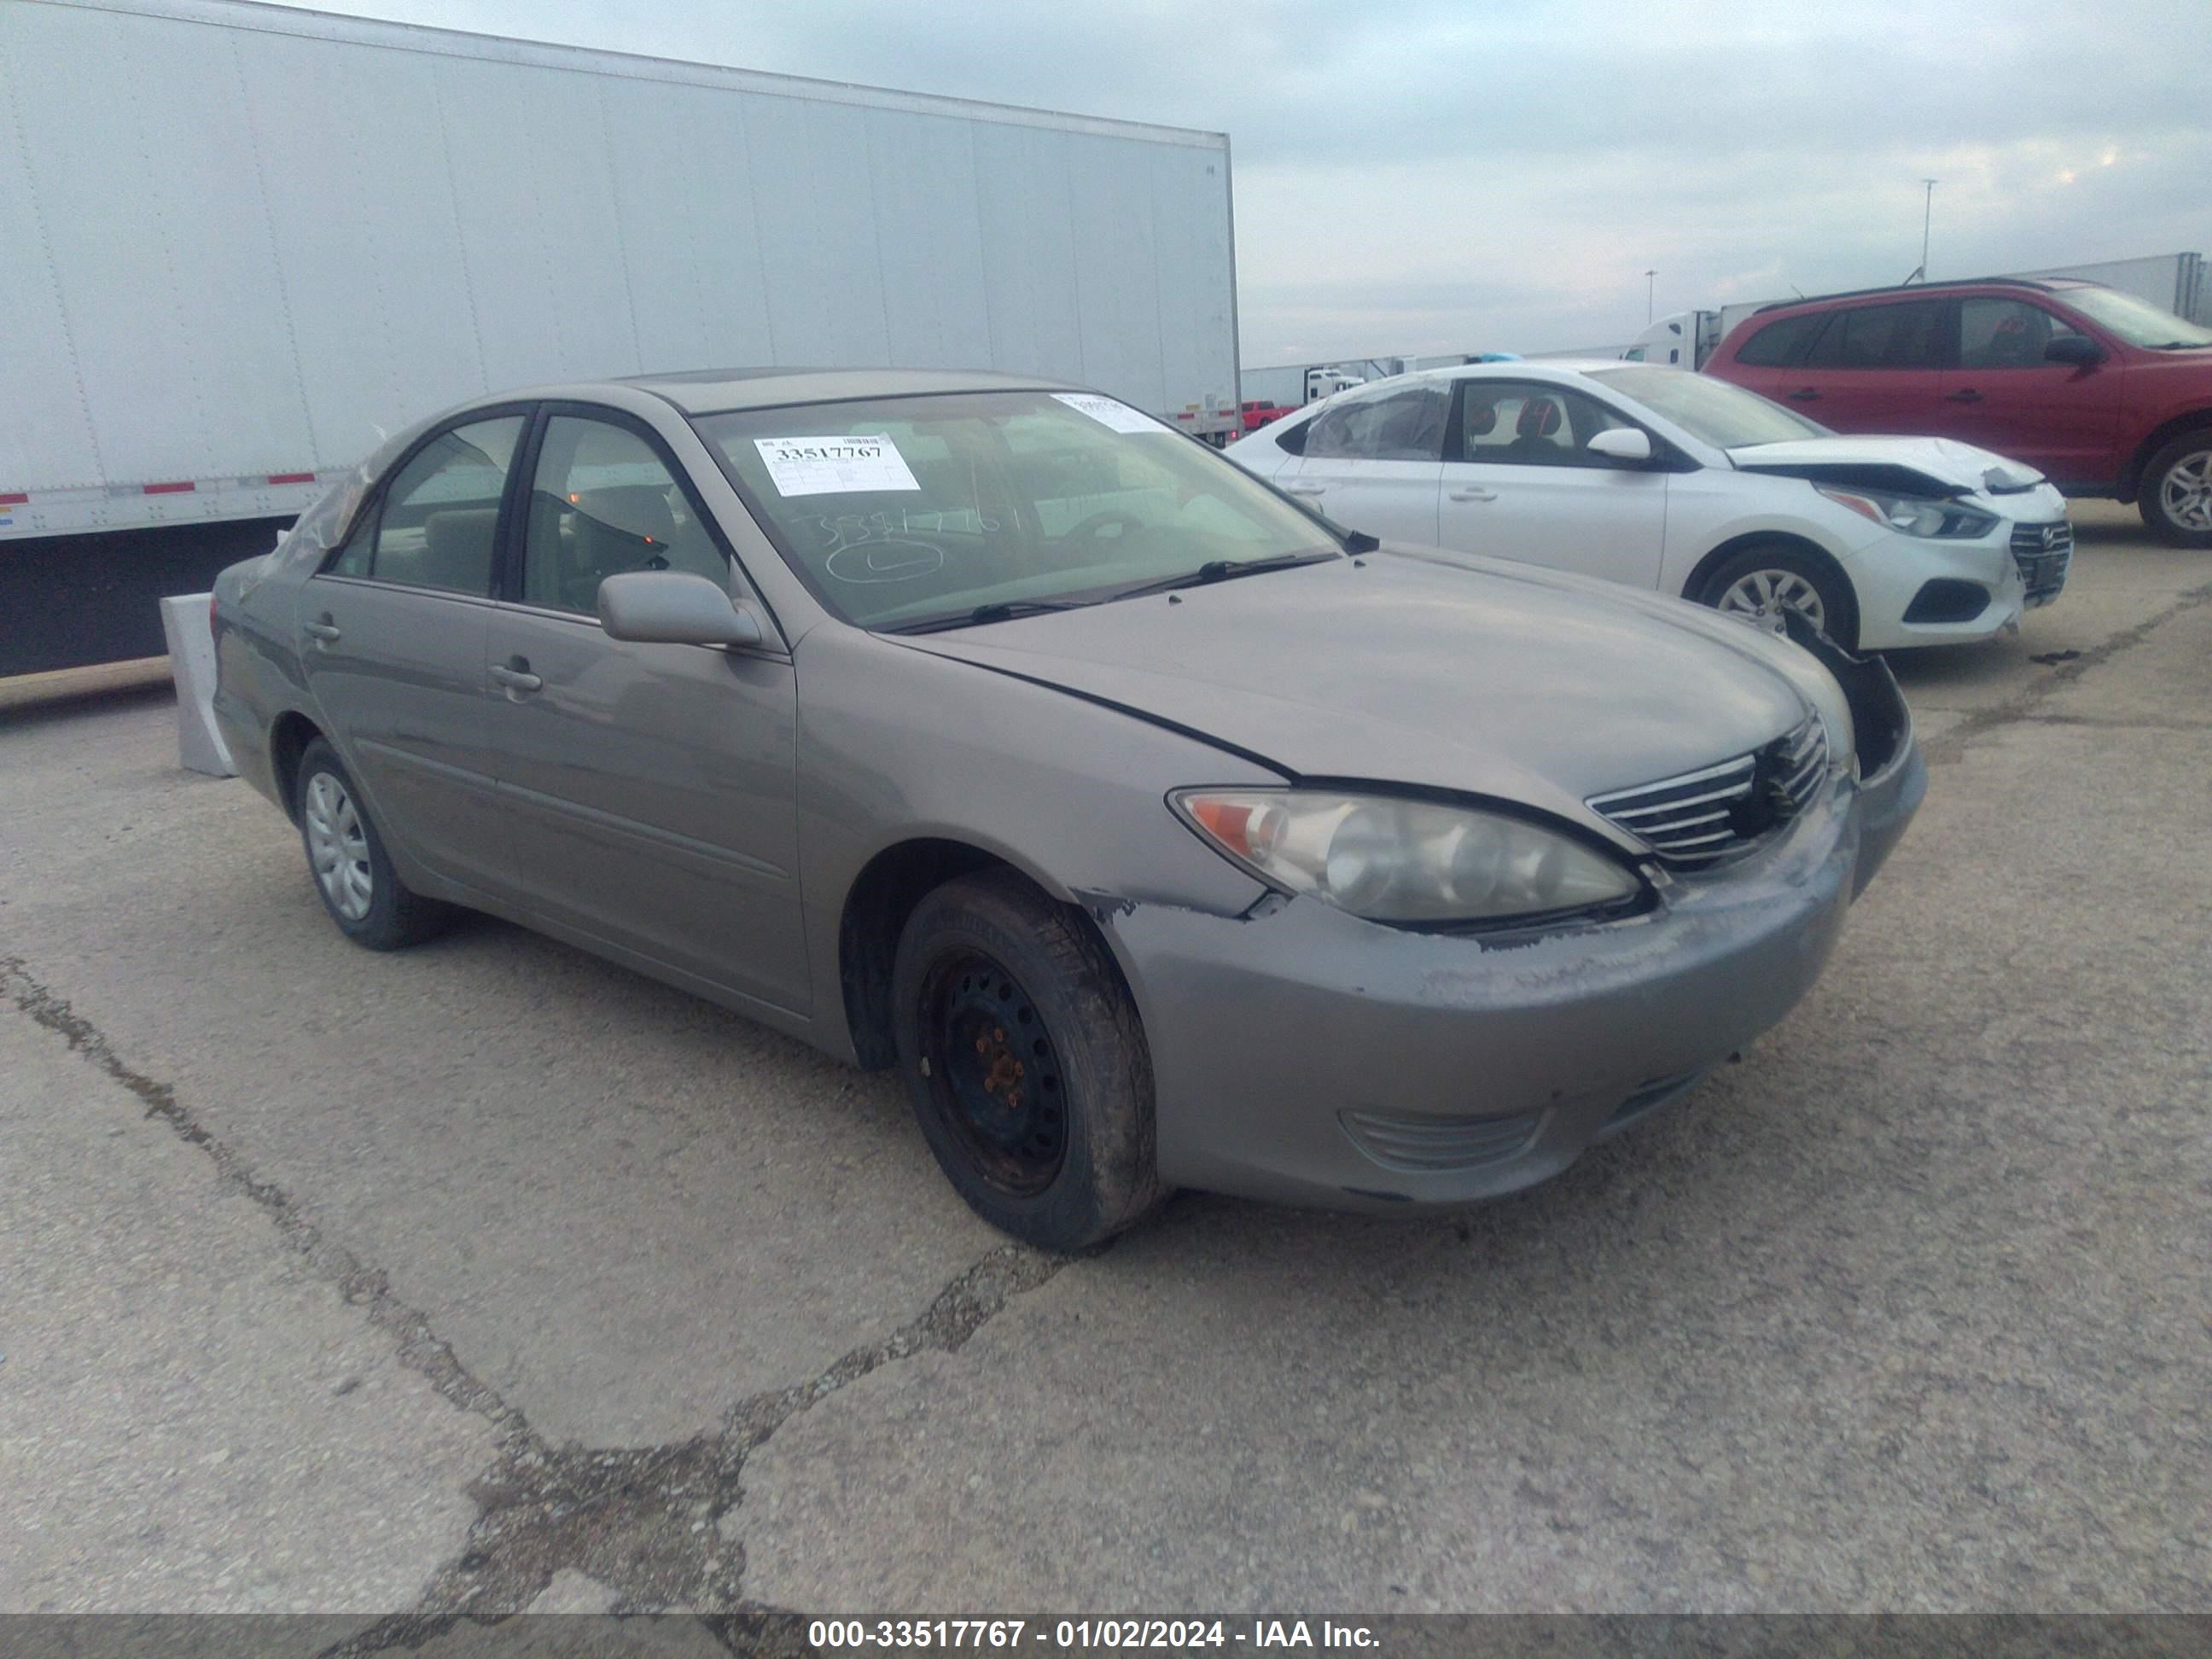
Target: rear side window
point(439, 520)
point(1906, 335)
point(1781, 342)
point(1404, 425)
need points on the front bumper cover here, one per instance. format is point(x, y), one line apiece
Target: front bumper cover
point(1303, 1056)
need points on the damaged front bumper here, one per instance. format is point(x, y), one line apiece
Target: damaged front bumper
point(1302, 1055)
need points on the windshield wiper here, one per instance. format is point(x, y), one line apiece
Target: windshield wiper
point(997, 611)
point(2179, 346)
point(1222, 571)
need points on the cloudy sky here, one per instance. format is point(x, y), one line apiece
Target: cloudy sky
point(1427, 177)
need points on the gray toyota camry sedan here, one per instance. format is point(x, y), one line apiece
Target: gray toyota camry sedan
point(1160, 832)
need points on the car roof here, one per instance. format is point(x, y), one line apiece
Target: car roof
point(2035, 284)
point(714, 391)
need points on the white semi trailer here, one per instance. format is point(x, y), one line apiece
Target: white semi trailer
point(242, 242)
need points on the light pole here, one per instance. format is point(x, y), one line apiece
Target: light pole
point(1648, 275)
point(1927, 213)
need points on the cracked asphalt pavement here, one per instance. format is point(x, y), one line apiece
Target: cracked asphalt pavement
point(426, 1288)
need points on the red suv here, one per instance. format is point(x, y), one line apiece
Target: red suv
point(2102, 392)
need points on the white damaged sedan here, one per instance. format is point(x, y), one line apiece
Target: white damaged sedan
point(1684, 484)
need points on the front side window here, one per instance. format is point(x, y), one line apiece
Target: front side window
point(1404, 424)
point(2006, 333)
point(1906, 335)
point(898, 510)
point(438, 522)
point(603, 502)
point(1522, 423)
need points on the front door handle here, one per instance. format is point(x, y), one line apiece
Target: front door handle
point(1472, 493)
point(324, 632)
point(1965, 395)
point(1804, 394)
point(1304, 490)
point(514, 674)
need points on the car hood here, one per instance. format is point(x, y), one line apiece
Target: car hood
point(1946, 464)
point(1475, 677)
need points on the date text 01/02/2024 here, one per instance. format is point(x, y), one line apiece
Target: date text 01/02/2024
point(1168, 1635)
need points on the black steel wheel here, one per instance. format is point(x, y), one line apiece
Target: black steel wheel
point(1025, 1062)
point(992, 1074)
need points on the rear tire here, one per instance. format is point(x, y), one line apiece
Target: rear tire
point(2175, 496)
point(1025, 1062)
point(1754, 582)
point(352, 873)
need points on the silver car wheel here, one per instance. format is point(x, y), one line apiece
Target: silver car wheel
point(1760, 597)
point(2185, 491)
point(337, 848)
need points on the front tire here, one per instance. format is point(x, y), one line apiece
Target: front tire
point(1756, 584)
point(1026, 1063)
point(352, 873)
point(2175, 496)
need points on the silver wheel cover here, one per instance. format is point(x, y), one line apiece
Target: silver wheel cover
point(337, 846)
point(1759, 598)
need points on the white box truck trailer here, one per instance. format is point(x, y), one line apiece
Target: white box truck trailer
point(242, 241)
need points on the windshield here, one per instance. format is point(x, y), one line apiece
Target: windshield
point(1726, 417)
point(905, 509)
point(2138, 322)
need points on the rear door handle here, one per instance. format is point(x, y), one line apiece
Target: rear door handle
point(324, 632)
point(1965, 395)
point(1305, 489)
point(515, 676)
point(1472, 493)
point(1804, 394)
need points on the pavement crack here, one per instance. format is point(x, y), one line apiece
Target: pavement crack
point(646, 1520)
point(2028, 704)
point(365, 1287)
point(643, 1520)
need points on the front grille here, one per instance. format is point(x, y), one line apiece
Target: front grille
point(2044, 552)
point(1699, 818)
point(1439, 1143)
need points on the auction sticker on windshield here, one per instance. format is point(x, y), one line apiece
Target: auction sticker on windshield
point(834, 466)
point(1119, 416)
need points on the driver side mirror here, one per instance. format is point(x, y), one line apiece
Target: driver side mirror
point(673, 607)
point(1621, 443)
point(2078, 350)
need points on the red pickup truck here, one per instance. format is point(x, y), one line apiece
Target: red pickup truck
point(2105, 393)
point(1258, 412)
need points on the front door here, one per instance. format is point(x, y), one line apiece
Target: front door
point(652, 788)
point(1521, 482)
point(394, 635)
point(2006, 395)
point(1372, 461)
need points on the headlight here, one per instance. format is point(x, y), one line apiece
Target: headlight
point(1914, 515)
point(1414, 862)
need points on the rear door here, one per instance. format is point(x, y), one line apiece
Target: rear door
point(652, 788)
point(393, 638)
point(1373, 459)
point(1521, 482)
point(1874, 369)
point(2005, 395)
